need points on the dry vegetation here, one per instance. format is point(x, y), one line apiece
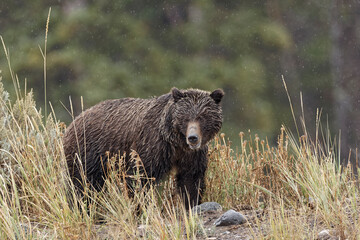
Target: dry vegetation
point(295, 189)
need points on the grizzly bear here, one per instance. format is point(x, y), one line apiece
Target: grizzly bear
point(168, 132)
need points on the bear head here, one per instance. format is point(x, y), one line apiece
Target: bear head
point(197, 116)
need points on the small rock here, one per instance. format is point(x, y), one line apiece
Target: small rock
point(207, 207)
point(324, 235)
point(311, 203)
point(142, 230)
point(231, 217)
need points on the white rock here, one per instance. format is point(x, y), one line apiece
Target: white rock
point(324, 234)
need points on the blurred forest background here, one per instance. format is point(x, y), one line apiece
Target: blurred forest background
point(139, 48)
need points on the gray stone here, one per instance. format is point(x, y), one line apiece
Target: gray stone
point(231, 217)
point(312, 203)
point(207, 207)
point(142, 230)
point(325, 235)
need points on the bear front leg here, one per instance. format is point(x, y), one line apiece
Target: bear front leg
point(191, 186)
point(190, 178)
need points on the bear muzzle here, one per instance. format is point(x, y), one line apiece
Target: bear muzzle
point(193, 135)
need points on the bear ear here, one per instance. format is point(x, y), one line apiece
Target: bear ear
point(217, 95)
point(177, 94)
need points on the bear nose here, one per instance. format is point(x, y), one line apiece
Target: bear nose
point(193, 139)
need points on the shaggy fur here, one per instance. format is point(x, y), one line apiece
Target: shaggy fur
point(157, 129)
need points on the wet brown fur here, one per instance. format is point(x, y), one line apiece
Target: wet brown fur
point(155, 128)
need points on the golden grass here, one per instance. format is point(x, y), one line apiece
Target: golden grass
point(299, 185)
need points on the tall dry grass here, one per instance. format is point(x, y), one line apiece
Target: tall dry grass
point(298, 184)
